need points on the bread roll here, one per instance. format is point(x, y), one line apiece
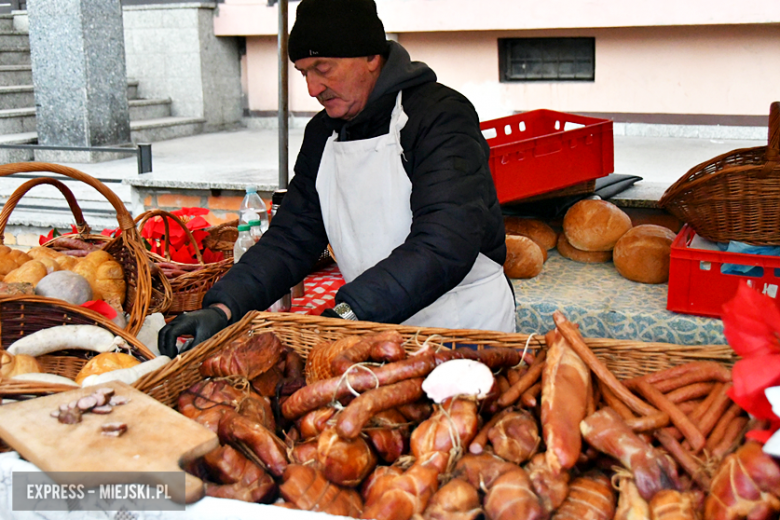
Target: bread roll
point(88, 271)
point(106, 362)
point(43, 252)
point(587, 257)
point(595, 225)
point(10, 259)
point(524, 258)
point(98, 257)
point(536, 230)
point(67, 262)
point(110, 280)
point(30, 272)
point(51, 265)
point(642, 254)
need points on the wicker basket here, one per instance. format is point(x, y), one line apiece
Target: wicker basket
point(23, 315)
point(222, 237)
point(189, 288)
point(145, 294)
point(300, 332)
point(735, 196)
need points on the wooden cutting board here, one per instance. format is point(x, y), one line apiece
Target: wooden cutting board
point(158, 438)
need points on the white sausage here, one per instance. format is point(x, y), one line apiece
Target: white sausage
point(127, 375)
point(45, 378)
point(87, 337)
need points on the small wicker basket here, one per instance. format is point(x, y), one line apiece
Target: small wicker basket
point(23, 315)
point(222, 237)
point(301, 332)
point(190, 287)
point(735, 196)
point(145, 294)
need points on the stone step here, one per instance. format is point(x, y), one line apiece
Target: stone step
point(14, 57)
point(14, 41)
point(10, 155)
point(132, 89)
point(17, 120)
point(15, 75)
point(86, 195)
point(162, 129)
point(39, 214)
point(16, 96)
point(6, 22)
point(141, 109)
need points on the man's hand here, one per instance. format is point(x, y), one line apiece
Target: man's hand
point(201, 324)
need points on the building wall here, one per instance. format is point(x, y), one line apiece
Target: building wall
point(673, 57)
point(662, 70)
point(173, 52)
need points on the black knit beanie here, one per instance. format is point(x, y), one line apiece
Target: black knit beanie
point(336, 29)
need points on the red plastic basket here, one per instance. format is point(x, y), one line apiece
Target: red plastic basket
point(541, 151)
point(697, 284)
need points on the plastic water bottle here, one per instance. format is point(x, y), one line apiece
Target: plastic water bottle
point(256, 229)
point(253, 208)
point(243, 242)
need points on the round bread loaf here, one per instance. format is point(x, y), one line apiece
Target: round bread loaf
point(642, 254)
point(536, 230)
point(595, 225)
point(587, 257)
point(524, 258)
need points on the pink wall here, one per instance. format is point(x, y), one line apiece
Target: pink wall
point(727, 69)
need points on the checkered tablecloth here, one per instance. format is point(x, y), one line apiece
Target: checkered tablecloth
point(319, 291)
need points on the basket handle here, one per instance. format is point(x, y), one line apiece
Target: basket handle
point(81, 226)
point(773, 148)
point(143, 217)
point(123, 216)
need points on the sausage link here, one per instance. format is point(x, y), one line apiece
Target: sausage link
point(688, 392)
point(313, 396)
point(352, 418)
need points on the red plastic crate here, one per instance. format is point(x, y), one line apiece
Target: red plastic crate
point(697, 285)
point(541, 151)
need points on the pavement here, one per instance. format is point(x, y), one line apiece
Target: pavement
point(251, 155)
point(233, 159)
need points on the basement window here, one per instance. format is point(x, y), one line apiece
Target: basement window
point(547, 59)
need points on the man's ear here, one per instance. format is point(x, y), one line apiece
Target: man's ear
point(374, 62)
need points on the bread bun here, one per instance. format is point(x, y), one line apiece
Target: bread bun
point(534, 229)
point(595, 225)
point(106, 362)
point(29, 272)
point(524, 257)
point(587, 257)
point(642, 254)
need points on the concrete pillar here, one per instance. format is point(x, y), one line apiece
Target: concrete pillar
point(78, 64)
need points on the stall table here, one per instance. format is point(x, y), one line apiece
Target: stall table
point(606, 305)
point(595, 296)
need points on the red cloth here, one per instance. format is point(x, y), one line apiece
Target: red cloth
point(320, 290)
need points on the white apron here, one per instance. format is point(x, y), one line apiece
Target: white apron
point(365, 196)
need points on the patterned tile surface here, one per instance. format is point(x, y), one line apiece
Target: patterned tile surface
point(606, 305)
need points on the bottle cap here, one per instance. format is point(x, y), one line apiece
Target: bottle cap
point(243, 227)
point(251, 189)
point(254, 223)
point(277, 196)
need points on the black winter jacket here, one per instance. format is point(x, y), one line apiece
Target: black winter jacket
point(455, 211)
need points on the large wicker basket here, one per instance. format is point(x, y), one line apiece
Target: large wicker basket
point(735, 196)
point(300, 332)
point(190, 287)
point(145, 293)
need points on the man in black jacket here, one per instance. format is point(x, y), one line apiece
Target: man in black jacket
point(393, 174)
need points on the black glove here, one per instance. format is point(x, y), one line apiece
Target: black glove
point(201, 324)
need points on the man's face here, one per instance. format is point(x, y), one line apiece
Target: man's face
point(341, 85)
